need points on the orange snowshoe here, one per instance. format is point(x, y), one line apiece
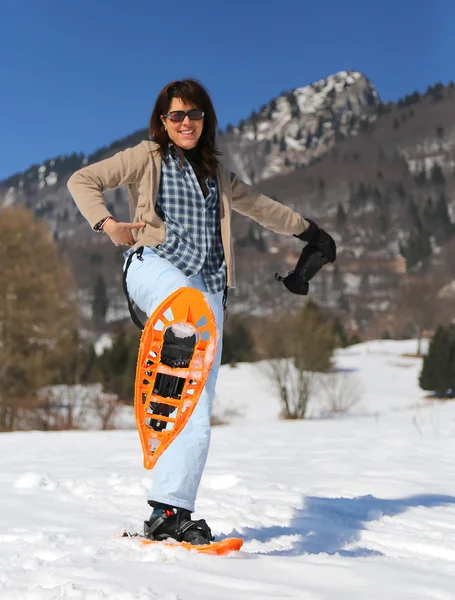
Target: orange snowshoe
point(176, 352)
point(221, 548)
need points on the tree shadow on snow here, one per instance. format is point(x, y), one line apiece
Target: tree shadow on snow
point(327, 525)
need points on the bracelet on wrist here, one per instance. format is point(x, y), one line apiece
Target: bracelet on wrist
point(99, 227)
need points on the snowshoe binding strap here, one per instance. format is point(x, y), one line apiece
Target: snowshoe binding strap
point(195, 532)
point(176, 523)
point(138, 253)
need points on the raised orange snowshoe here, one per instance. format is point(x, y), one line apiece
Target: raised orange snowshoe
point(176, 353)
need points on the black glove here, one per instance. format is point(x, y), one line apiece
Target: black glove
point(310, 262)
point(321, 239)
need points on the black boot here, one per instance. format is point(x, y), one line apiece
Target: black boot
point(171, 522)
point(178, 346)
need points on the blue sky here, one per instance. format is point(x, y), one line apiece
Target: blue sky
point(77, 75)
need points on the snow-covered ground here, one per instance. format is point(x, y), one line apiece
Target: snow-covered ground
point(357, 507)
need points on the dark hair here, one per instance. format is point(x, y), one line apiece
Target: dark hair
point(191, 91)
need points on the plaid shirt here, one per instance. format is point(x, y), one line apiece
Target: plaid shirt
point(193, 231)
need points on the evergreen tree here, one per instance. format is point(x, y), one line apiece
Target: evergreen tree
point(442, 218)
point(341, 336)
point(400, 190)
point(116, 367)
point(414, 214)
point(362, 191)
point(343, 303)
point(100, 302)
point(254, 117)
point(384, 221)
point(337, 279)
point(272, 109)
point(438, 370)
point(364, 285)
point(238, 343)
point(438, 92)
point(428, 211)
point(320, 127)
point(377, 195)
point(382, 109)
point(417, 249)
point(421, 177)
point(341, 216)
point(440, 132)
point(437, 175)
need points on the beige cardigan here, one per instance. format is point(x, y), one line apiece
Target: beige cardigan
point(140, 169)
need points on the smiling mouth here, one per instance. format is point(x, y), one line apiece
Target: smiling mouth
point(187, 133)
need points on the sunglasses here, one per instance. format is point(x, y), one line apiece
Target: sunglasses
point(177, 116)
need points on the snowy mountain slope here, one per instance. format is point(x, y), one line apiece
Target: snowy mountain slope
point(299, 126)
point(348, 508)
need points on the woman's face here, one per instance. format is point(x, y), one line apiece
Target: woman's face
point(184, 133)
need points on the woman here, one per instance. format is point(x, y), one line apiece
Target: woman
point(180, 204)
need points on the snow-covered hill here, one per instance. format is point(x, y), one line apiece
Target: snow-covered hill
point(350, 508)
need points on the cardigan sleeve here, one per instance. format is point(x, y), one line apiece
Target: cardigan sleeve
point(269, 213)
point(88, 184)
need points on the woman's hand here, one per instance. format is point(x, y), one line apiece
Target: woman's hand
point(121, 233)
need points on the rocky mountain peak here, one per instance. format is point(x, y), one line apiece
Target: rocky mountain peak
point(300, 125)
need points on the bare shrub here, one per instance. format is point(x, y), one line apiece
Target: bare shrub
point(340, 391)
point(106, 407)
point(71, 407)
point(222, 415)
point(297, 346)
point(294, 386)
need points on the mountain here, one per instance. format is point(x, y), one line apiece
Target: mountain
point(379, 176)
point(292, 130)
point(388, 193)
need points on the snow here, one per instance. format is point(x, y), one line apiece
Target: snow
point(448, 291)
point(295, 115)
point(104, 342)
point(9, 197)
point(182, 330)
point(349, 507)
point(52, 178)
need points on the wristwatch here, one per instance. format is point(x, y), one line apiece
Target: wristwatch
point(98, 227)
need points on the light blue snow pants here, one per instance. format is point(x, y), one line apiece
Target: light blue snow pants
point(178, 471)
